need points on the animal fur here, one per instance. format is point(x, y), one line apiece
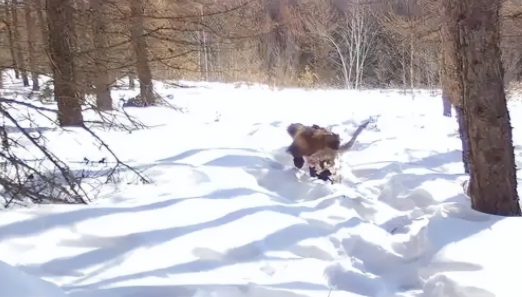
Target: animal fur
point(326, 159)
point(320, 146)
point(308, 140)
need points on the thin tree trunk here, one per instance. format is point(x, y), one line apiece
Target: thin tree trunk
point(475, 28)
point(42, 22)
point(140, 47)
point(450, 83)
point(446, 105)
point(80, 17)
point(132, 80)
point(404, 80)
point(31, 46)
point(59, 18)
point(18, 44)
point(412, 76)
point(346, 71)
point(7, 12)
point(463, 138)
point(101, 80)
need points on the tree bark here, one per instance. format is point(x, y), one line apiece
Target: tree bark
point(449, 80)
point(79, 27)
point(101, 60)
point(474, 27)
point(446, 105)
point(132, 83)
point(140, 47)
point(7, 11)
point(463, 138)
point(31, 46)
point(18, 44)
point(59, 17)
point(42, 22)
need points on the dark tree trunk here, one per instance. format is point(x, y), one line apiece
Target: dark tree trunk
point(446, 105)
point(18, 44)
point(31, 38)
point(132, 83)
point(141, 48)
point(464, 138)
point(79, 17)
point(474, 25)
point(7, 11)
point(452, 95)
point(101, 61)
point(59, 17)
point(41, 21)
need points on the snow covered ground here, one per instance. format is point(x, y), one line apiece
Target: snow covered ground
point(229, 216)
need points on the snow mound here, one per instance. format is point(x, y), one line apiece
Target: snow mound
point(15, 283)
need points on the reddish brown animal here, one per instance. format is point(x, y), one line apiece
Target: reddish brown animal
point(319, 146)
point(308, 140)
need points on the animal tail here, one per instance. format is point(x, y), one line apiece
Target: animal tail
point(347, 146)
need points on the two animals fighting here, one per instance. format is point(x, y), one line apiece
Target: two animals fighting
point(319, 147)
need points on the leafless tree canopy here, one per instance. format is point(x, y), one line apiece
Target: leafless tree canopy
point(327, 43)
point(316, 43)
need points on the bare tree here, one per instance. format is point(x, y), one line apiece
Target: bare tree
point(59, 17)
point(18, 43)
point(351, 33)
point(101, 59)
point(141, 48)
point(474, 27)
point(42, 21)
point(320, 21)
point(404, 22)
point(358, 32)
point(31, 40)
point(8, 22)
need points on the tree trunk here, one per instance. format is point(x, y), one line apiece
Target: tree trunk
point(11, 39)
point(101, 80)
point(31, 46)
point(79, 28)
point(463, 138)
point(412, 76)
point(449, 81)
point(18, 44)
point(59, 17)
point(475, 28)
point(140, 47)
point(446, 105)
point(132, 82)
point(41, 21)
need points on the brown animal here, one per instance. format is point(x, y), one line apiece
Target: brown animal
point(307, 140)
point(319, 146)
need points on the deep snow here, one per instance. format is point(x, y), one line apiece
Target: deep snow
point(228, 215)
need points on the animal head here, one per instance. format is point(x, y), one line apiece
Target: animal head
point(295, 128)
point(310, 139)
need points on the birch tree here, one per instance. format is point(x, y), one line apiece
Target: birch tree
point(358, 35)
point(319, 19)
